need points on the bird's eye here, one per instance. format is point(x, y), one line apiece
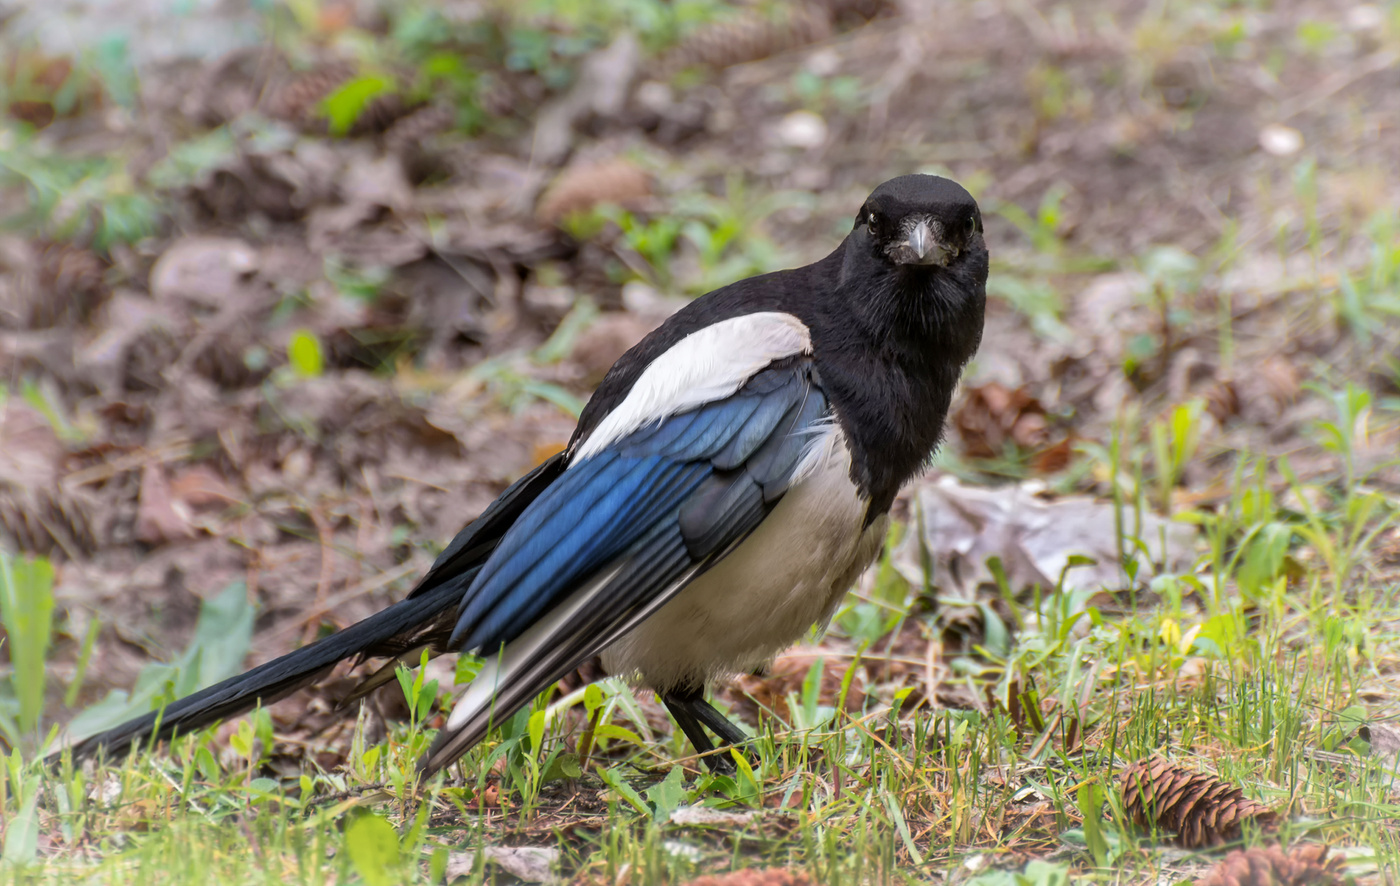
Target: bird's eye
point(872, 223)
point(971, 225)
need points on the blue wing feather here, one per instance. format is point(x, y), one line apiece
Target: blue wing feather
point(754, 432)
point(652, 506)
point(588, 519)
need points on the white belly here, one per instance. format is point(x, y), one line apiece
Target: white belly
point(789, 575)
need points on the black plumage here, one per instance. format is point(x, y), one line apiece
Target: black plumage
point(726, 482)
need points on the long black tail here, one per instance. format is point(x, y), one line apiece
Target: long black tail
point(425, 618)
point(276, 679)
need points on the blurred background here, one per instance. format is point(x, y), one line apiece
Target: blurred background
point(290, 290)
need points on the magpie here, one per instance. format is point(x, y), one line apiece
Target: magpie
point(727, 483)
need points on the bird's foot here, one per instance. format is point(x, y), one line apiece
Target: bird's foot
point(693, 714)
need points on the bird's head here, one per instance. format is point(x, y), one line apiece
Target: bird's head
point(919, 221)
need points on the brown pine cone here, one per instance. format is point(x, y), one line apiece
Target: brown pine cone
point(56, 284)
point(71, 278)
point(419, 125)
point(1306, 864)
point(146, 358)
point(297, 100)
point(582, 186)
point(1199, 808)
point(223, 362)
point(747, 38)
point(42, 521)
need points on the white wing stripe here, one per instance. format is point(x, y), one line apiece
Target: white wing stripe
point(707, 365)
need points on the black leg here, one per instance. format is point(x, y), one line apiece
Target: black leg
point(718, 723)
point(692, 713)
point(681, 712)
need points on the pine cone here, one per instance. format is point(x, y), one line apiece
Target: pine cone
point(582, 186)
point(419, 125)
point(1199, 808)
point(747, 38)
point(57, 284)
point(223, 362)
point(298, 101)
point(71, 281)
point(1305, 865)
point(755, 877)
point(147, 357)
point(38, 521)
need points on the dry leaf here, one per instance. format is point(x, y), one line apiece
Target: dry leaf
point(160, 517)
point(530, 864)
point(962, 526)
point(207, 271)
point(33, 82)
point(993, 415)
point(200, 486)
point(1383, 738)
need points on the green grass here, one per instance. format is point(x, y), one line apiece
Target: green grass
point(1259, 662)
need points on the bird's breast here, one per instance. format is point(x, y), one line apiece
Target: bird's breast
point(787, 576)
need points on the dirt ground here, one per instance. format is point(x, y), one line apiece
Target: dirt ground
point(319, 355)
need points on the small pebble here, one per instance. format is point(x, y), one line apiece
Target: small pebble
point(802, 129)
point(1366, 17)
point(1280, 140)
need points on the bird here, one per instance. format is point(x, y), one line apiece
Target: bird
point(726, 484)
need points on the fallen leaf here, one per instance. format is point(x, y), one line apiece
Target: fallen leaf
point(160, 517)
point(208, 271)
point(1383, 738)
point(1054, 458)
point(29, 447)
point(993, 415)
point(531, 864)
point(200, 486)
point(546, 449)
point(962, 526)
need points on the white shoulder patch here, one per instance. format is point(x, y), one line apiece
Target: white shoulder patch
point(707, 365)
